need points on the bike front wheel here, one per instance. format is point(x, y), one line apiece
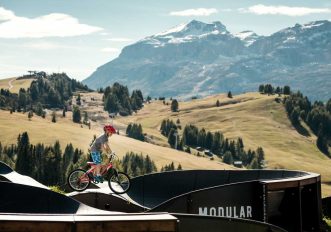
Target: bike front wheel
point(119, 182)
point(78, 180)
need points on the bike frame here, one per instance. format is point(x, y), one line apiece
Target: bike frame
point(104, 168)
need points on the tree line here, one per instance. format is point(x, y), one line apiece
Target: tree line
point(50, 91)
point(171, 167)
point(316, 115)
point(269, 89)
point(46, 164)
point(229, 150)
point(135, 131)
point(51, 166)
point(118, 100)
point(136, 164)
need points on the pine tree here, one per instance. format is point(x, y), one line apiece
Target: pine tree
point(209, 140)
point(78, 100)
point(322, 144)
point(54, 117)
point(218, 104)
point(51, 173)
point(76, 117)
point(68, 156)
point(202, 138)
point(24, 158)
point(57, 162)
point(174, 105)
point(227, 158)
point(172, 138)
point(254, 164)
point(39, 109)
point(30, 114)
point(287, 90)
point(217, 142)
point(260, 157)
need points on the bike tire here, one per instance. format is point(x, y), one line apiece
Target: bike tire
point(78, 180)
point(119, 182)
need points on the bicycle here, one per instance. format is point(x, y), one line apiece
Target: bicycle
point(118, 182)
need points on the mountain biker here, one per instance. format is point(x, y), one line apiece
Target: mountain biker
point(101, 144)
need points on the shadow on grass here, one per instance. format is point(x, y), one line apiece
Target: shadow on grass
point(301, 130)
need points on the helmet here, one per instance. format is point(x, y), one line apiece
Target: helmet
point(109, 128)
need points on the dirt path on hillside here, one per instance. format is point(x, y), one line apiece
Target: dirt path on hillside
point(10, 84)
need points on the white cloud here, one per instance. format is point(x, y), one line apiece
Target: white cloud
point(51, 25)
point(6, 14)
point(283, 10)
point(195, 12)
point(104, 33)
point(120, 39)
point(111, 50)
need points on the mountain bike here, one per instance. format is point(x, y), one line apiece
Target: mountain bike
point(118, 182)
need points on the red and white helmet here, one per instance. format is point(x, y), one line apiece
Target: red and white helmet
point(109, 129)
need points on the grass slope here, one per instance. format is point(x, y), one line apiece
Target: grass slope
point(44, 131)
point(17, 84)
point(257, 118)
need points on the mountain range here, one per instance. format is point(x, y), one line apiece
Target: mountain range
point(200, 59)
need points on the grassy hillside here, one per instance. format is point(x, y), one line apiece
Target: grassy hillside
point(16, 84)
point(258, 119)
point(43, 130)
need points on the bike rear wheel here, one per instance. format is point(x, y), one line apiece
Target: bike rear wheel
point(78, 180)
point(119, 182)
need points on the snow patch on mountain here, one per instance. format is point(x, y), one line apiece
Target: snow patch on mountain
point(204, 58)
point(248, 37)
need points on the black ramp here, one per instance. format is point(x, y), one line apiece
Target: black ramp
point(8, 174)
point(108, 201)
point(195, 223)
point(17, 198)
point(4, 168)
point(243, 202)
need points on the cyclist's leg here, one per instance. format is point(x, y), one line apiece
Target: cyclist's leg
point(96, 157)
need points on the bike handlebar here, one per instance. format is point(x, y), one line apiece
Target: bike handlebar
point(112, 156)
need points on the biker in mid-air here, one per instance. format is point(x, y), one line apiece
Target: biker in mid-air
point(101, 144)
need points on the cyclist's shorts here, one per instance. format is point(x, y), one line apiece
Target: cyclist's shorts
point(96, 157)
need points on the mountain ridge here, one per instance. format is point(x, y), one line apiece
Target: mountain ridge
point(207, 58)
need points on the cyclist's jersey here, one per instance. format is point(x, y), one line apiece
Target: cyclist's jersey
point(98, 142)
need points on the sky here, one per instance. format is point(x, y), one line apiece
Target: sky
point(78, 36)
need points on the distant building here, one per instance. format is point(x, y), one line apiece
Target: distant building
point(200, 148)
point(209, 153)
point(238, 164)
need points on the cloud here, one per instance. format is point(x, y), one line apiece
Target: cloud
point(111, 50)
point(51, 25)
point(104, 33)
point(195, 12)
point(120, 39)
point(6, 14)
point(283, 10)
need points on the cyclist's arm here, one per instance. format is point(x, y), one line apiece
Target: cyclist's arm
point(107, 148)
